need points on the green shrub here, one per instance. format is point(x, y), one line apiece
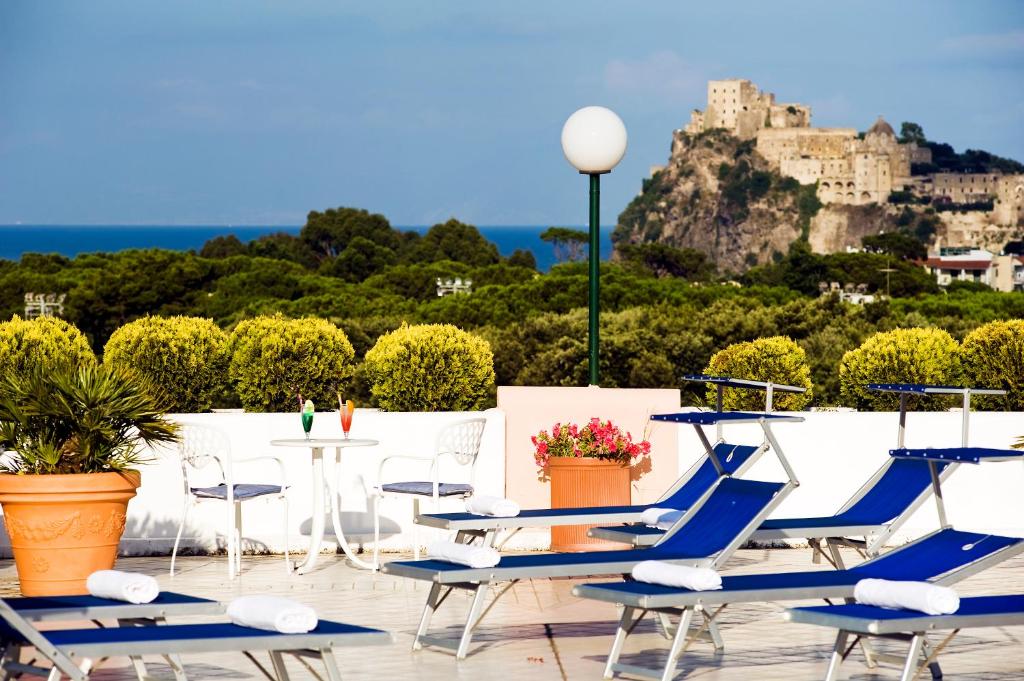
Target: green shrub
point(182, 357)
point(777, 359)
point(921, 355)
point(26, 345)
point(992, 356)
point(273, 358)
point(430, 367)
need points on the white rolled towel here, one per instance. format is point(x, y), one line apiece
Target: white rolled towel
point(667, 520)
point(652, 516)
point(931, 599)
point(464, 554)
point(272, 613)
point(681, 576)
point(122, 586)
point(498, 507)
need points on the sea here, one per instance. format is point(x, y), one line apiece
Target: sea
point(71, 240)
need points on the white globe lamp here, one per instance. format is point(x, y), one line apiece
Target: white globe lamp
point(594, 141)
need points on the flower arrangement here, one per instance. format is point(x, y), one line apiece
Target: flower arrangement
point(596, 440)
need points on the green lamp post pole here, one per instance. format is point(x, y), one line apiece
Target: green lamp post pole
point(594, 141)
point(594, 333)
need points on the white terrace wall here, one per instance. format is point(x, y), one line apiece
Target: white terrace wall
point(832, 454)
point(153, 516)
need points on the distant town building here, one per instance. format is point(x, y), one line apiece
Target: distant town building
point(44, 305)
point(857, 295)
point(1000, 272)
point(450, 286)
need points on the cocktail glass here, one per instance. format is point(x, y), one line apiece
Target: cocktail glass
point(307, 422)
point(345, 411)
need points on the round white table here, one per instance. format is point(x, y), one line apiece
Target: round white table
point(316, 533)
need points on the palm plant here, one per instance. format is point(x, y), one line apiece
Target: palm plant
point(62, 420)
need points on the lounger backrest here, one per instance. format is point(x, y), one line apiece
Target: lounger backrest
point(902, 482)
point(728, 512)
point(941, 553)
point(732, 458)
point(39, 642)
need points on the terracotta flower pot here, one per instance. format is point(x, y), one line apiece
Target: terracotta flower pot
point(584, 482)
point(64, 527)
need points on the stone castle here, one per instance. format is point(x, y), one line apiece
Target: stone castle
point(849, 167)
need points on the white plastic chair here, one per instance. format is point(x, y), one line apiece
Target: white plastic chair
point(201, 446)
point(461, 442)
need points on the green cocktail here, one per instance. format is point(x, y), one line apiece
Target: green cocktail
point(307, 417)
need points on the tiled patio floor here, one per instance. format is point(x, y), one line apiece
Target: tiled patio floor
point(540, 631)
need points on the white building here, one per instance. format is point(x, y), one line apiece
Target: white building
point(1000, 272)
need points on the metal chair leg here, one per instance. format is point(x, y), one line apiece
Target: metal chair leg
point(911, 665)
point(477, 604)
point(287, 558)
point(416, 528)
point(666, 626)
point(839, 653)
point(330, 664)
point(433, 600)
point(238, 537)
point(376, 530)
point(626, 625)
point(140, 667)
point(229, 538)
point(177, 538)
point(280, 671)
point(682, 631)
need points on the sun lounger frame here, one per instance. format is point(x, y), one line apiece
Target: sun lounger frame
point(710, 604)
point(76, 660)
point(94, 609)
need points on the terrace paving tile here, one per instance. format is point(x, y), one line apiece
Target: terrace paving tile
point(540, 632)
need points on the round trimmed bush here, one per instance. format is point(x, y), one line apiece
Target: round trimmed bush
point(918, 355)
point(27, 345)
point(430, 367)
point(182, 357)
point(273, 358)
point(777, 359)
point(992, 356)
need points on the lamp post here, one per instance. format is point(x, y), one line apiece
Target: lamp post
point(594, 141)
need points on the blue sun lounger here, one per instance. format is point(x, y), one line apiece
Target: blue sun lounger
point(719, 458)
point(865, 621)
point(707, 534)
point(84, 607)
point(73, 652)
point(875, 512)
point(944, 557)
point(878, 509)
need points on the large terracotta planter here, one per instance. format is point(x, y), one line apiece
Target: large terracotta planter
point(64, 527)
point(584, 482)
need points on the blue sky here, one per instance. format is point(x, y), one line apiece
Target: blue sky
point(246, 112)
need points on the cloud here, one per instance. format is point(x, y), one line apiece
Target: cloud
point(985, 43)
point(663, 74)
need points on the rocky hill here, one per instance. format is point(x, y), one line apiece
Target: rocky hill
point(719, 196)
